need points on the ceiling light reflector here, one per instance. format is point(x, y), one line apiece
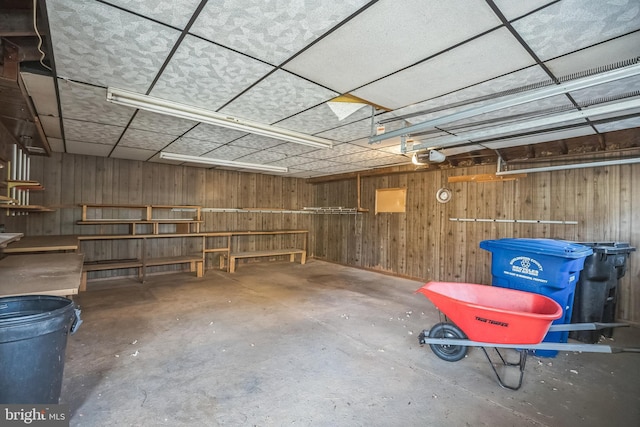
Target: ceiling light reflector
point(183, 111)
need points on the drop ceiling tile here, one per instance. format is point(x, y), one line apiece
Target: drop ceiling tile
point(51, 126)
point(355, 131)
point(337, 151)
point(570, 25)
point(89, 149)
point(340, 169)
point(607, 53)
point(205, 75)
point(256, 141)
point(106, 46)
point(362, 156)
point(226, 152)
point(517, 79)
point(97, 133)
point(321, 118)
point(191, 146)
point(544, 137)
point(388, 145)
point(270, 31)
point(288, 162)
point(213, 133)
point(278, 96)
point(292, 149)
point(42, 91)
point(88, 103)
point(56, 144)
point(320, 164)
point(515, 9)
point(131, 153)
point(262, 157)
point(146, 120)
point(471, 63)
point(619, 125)
point(619, 87)
point(145, 139)
point(384, 38)
point(170, 12)
point(382, 162)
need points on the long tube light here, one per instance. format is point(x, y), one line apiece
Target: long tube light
point(515, 100)
point(219, 162)
point(531, 124)
point(175, 109)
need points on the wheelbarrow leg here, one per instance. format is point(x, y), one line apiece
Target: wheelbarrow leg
point(521, 365)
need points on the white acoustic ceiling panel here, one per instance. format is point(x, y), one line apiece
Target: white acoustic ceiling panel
point(88, 149)
point(321, 118)
point(289, 162)
point(170, 12)
point(524, 77)
point(338, 150)
point(145, 139)
point(256, 142)
point(570, 25)
point(386, 37)
point(191, 146)
point(57, 145)
point(513, 9)
point(262, 157)
point(132, 153)
point(208, 76)
point(213, 133)
point(291, 149)
point(278, 96)
point(270, 30)
point(88, 103)
point(96, 133)
point(471, 63)
point(107, 46)
point(146, 120)
point(619, 49)
point(226, 152)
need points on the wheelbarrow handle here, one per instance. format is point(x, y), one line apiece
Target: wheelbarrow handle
point(596, 326)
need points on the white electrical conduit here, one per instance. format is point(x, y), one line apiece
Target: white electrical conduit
point(514, 100)
point(565, 167)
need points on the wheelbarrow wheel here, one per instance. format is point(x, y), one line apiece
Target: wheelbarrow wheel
point(450, 353)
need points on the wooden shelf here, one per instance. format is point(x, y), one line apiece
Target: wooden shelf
point(27, 208)
point(31, 244)
point(24, 185)
point(6, 238)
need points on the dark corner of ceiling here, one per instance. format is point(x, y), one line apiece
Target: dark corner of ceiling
point(21, 52)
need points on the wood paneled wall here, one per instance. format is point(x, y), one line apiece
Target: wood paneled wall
point(423, 243)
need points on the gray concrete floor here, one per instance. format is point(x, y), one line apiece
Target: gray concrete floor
point(318, 344)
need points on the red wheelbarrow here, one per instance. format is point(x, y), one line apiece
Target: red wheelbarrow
point(487, 316)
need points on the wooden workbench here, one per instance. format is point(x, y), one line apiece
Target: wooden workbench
point(32, 244)
point(41, 274)
point(6, 238)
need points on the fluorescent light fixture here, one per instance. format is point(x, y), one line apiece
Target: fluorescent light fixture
point(219, 162)
point(183, 111)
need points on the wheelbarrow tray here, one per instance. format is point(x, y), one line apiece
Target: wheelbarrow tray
point(494, 315)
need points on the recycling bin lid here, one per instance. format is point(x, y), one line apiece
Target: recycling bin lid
point(550, 247)
point(609, 247)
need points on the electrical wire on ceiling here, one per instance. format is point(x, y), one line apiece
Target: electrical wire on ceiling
point(35, 28)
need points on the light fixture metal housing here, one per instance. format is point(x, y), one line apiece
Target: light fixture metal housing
point(183, 111)
point(220, 162)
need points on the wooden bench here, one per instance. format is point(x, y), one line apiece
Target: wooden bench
point(195, 265)
point(275, 252)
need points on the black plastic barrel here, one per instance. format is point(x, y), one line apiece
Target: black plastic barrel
point(596, 295)
point(33, 340)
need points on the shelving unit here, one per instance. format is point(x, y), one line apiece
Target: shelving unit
point(149, 220)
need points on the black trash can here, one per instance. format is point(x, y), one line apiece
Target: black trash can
point(596, 294)
point(33, 340)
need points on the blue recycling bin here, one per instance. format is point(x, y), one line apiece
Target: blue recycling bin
point(542, 266)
